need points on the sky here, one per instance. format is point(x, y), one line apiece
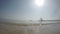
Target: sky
point(28, 10)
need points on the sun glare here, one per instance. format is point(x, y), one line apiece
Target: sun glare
point(39, 2)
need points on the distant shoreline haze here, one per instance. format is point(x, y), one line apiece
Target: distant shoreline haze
point(28, 21)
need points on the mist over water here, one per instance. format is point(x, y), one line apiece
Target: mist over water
point(28, 21)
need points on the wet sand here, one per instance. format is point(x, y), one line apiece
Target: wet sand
point(30, 29)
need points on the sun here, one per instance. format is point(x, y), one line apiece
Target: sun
point(39, 2)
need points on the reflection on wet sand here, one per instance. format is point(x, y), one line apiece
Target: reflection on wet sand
point(30, 29)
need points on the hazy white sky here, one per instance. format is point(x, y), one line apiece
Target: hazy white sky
point(27, 9)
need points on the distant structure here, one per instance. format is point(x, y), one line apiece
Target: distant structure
point(41, 19)
point(30, 20)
